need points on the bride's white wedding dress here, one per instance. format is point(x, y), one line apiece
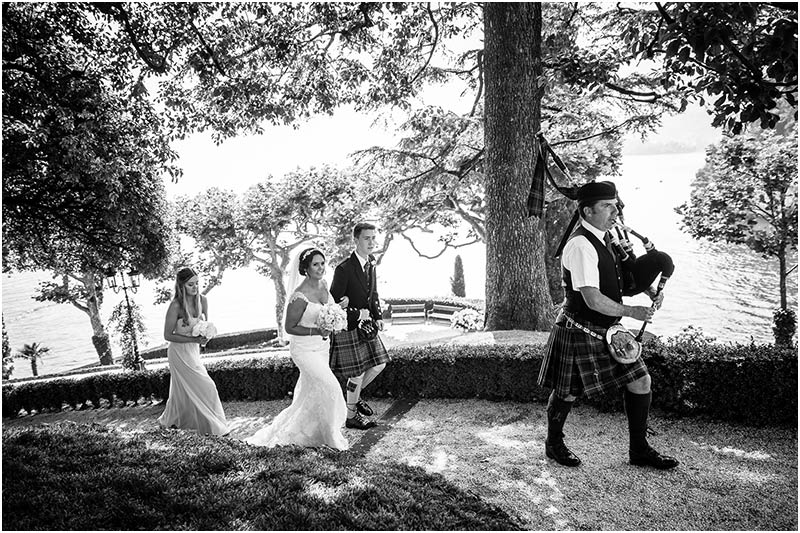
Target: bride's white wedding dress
point(318, 409)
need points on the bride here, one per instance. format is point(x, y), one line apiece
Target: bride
point(318, 409)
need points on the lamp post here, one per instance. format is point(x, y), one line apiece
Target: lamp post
point(131, 284)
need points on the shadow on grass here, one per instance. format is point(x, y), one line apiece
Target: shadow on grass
point(71, 476)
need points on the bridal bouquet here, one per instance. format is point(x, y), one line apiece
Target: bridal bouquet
point(332, 318)
point(205, 329)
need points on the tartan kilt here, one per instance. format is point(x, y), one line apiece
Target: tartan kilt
point(351, 356)
point(576, 363)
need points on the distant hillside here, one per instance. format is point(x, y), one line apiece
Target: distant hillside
point(665, 146)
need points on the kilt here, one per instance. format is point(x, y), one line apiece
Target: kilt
point(351, 356)
point(576, 363)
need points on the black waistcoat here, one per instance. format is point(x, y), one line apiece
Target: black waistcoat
point(610, 284)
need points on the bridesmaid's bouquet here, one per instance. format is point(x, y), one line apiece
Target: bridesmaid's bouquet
point(204, 328)
point(332, 318)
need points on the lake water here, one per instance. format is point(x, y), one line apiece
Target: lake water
point(728, 291)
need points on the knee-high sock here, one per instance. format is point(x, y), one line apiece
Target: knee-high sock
point(557, 411)
point(353, 394)
point(637, 407)
point(371, 374)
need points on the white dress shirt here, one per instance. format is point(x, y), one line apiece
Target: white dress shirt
point(580, 258)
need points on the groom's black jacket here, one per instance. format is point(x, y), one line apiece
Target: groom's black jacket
point(350, 280)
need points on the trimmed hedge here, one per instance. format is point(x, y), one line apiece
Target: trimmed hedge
point(754, 384)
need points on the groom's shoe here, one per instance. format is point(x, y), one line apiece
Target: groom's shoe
point(559, 452)
point(364, 409)
point(359, 422)
point(651, 457)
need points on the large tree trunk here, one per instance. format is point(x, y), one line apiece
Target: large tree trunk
point(517, 294)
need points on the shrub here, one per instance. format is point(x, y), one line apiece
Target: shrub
point(753, 384)
point(785, 325)
point(467, 320)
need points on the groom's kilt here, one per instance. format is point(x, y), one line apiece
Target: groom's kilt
point(576, 363)
point(351, 356)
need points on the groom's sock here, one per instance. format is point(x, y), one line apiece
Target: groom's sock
point(371, 374)
point(353, 394)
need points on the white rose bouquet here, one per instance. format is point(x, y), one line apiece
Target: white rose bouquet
point(332, 318)
point(205, 329)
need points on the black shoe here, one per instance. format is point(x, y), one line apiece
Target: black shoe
point(359, 422)
point(364, 408)
point(651, 457)
point(561, 454)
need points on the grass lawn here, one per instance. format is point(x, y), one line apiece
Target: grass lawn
point(445, 464)
point(69, 476)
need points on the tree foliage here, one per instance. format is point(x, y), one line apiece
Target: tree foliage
point(84, 154)
point(8, 358)
point(128, 323)
point(228, 67)
point(82, 158)
point(747, 194)
point(269, 222)
point(34, 353)
point(739, 56)
point(211, 219)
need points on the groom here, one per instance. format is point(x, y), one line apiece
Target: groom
point(358, 355)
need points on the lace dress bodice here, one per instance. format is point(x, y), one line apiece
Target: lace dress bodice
point(311, 313)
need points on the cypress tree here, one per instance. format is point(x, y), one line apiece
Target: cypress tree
point(457, 281)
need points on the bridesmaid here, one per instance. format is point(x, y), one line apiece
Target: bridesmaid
point(193, 401)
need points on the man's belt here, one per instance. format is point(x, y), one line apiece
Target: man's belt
point(582, 327)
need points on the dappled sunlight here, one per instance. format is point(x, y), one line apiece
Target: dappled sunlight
point(537, 499)
point(414, 424)
point(156, 446)
point(330, 494)
point(755, 478)
point(322, 491)
point(501, 436)
point(727, 450)
point(438, 461)
point(546, 480)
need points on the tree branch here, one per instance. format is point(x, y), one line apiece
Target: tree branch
point(604, 132)
point(477, 223)
point(433, 45)
point(650, 96)
point(480, 84)
point(442, 251)
point(207, 48)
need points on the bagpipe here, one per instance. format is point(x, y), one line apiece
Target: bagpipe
point(638, 272)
